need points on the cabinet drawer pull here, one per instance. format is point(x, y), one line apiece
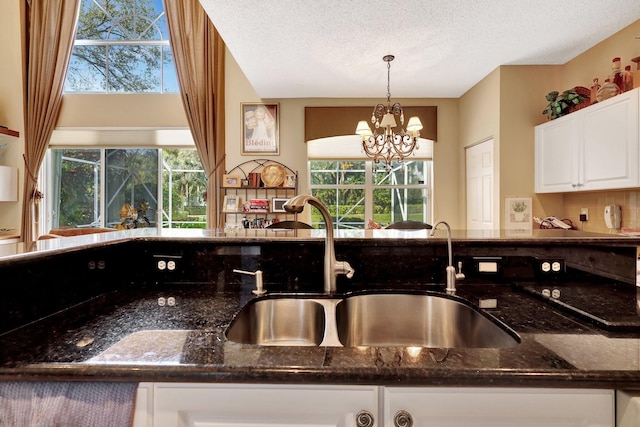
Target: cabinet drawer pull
point(402, 419)
point(364, 419)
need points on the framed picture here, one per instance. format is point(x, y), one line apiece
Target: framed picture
point(289, 181)
point(233, 181)
point(232, 203)
point(277, 204)
point(260, 129)
point(518, 216)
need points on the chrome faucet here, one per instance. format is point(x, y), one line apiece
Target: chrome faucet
point(331, 267)
point(452, 275)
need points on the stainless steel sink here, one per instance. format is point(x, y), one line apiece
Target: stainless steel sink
point(417, 320)
point(371, 319)
point(279, 322)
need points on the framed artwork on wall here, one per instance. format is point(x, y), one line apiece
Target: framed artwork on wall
point(260, 129)
point(518, 216)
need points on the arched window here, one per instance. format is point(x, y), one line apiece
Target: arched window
point(121, 46)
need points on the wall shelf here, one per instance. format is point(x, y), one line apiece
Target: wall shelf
point(8, 133)
point(245, 185)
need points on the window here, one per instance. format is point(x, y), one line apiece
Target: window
point(121, 46)
point(92, 188)
point(356, 191)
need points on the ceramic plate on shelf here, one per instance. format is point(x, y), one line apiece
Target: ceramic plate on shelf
point(273, 175)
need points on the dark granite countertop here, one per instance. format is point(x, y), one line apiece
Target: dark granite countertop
point(88, 308)
point(128, 336)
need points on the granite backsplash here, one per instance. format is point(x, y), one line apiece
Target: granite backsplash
point(43, 284)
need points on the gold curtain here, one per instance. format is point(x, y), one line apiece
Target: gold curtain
point(198, 52)
point(50, 29)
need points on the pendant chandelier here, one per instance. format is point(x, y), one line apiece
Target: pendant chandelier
point(385, 144)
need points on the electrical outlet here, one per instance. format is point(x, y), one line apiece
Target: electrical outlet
point(552, 266)
point(584, 214)
point(167, 262)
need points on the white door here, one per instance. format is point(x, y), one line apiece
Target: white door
point(480, 186)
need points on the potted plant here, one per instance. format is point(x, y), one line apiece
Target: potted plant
point(559, 103)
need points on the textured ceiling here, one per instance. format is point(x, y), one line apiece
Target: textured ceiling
point(334, 48)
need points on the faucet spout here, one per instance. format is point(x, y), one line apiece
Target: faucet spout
point(451, 273)
point(331, 267)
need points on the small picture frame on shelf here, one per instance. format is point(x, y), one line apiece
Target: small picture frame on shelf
point(289, 181)
point(277, 204)
point(244, 183)
point(231, 181)
point(232, 203)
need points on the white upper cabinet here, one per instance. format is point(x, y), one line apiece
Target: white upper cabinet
point(596, 148)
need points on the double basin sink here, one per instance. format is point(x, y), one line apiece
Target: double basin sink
point(381, 319)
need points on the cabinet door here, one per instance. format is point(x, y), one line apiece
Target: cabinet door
point(216, 405)
point(610, 143)
point(143, 411)
point(556, 155)
point(495, 407)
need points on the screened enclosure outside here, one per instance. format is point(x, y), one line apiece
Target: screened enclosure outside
point(356, 191)
point(127, 188)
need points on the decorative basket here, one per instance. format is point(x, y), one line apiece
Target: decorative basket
point(546, 225)
point(586, 98)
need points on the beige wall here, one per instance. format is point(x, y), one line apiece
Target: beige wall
point(480, 121)
point(11, 104)
point(522, 99)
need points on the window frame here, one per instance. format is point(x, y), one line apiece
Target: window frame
point(369, 187)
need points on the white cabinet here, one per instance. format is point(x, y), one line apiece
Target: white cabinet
point(627, 409)
point(214, 405)
point(490, 407)
point(596, 148)
point(261, 405)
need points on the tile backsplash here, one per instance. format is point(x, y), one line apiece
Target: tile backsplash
point(629, 201)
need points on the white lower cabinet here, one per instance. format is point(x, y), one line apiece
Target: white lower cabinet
point(251, 405)
point(628, 409)
point(213, 405)
point(497, 407)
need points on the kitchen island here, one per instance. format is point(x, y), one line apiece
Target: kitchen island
point(100, 308)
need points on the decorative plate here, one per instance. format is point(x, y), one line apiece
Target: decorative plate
point(273, 175)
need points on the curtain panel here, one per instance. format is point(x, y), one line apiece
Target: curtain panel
point(199, 55)
point(50, 29)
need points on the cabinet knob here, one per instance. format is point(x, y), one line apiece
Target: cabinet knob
point(364, 419)
point(402, 419)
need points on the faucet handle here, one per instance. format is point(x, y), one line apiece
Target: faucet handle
point(258, 273)
point(460, 275)
point(343, 267)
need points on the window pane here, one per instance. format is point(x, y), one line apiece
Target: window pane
point(346, 207)
point(76, 198)
point(398, 204)
point(169, 75)
point(131, 178)
point(134, 69)
point(121, 20)
point(87, 69)
point(411, 173)
point(184, 184)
